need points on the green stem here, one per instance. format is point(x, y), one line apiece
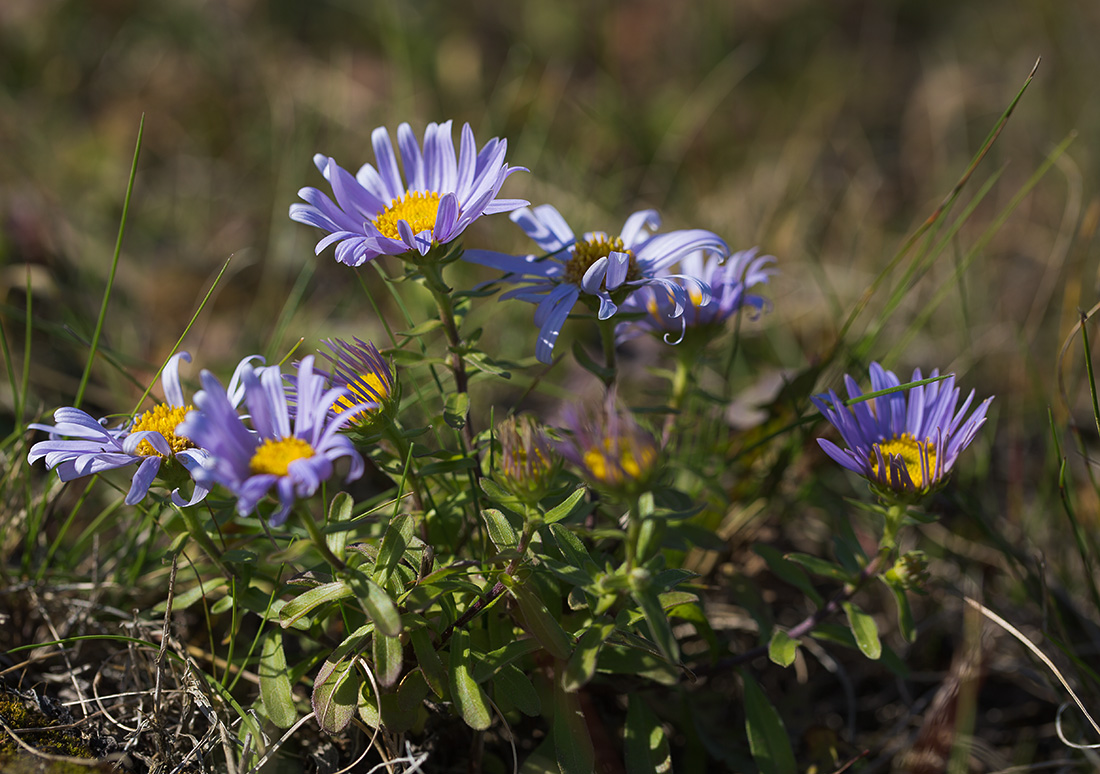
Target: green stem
point(318, 539)
point(633, 532)
point(433, 280)
point(680, 380)
point(607, 334)
point(894, 518)
point(194, 528)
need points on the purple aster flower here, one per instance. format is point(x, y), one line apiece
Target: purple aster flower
point(609, 447)
point(80, 445)
point(360, 368)
point(596, 267)
point(377, 213)
point(729, 282)
point(250, 462)
point(905, 442)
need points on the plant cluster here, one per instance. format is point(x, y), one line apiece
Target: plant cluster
point(499, 561)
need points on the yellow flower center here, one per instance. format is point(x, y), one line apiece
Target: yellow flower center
point(417, 208)
point(368, 388)
point(163, 419)
point(275, 455)
point(909, 450)
point(586, 252)
point(521, 465)
point(606, 465)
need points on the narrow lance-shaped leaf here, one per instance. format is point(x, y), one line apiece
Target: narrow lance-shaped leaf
point(469, 699)
point(645, 742)
point(429, 661)
point(275, 688)
point(543, 626)
point(339, 512)
point(768, 741)
point(572, 742)
point(336, 694)
point(582, 664)
point(864, 630)
point(655, 616)
point(387, 659)
point(305, 602)
point(377, 604)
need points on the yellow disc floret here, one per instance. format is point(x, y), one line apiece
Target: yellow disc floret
point(417, 208)
point(587, 251)
point(163, 419)
point(275, 455)
point(909, 450)
point(367, 388)
point(610, 466)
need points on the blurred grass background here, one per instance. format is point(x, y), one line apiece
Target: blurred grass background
point(823, 132)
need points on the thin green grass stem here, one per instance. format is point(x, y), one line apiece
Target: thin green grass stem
point(944, 207)
point(191, 322)
point(114, 268)
point(978, 247)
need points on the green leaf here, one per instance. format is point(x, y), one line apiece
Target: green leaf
point(582, 664)
point(646, 746)
point(905, 613)
point(387, 659)
point(336, 693)
point(500, 529)
point(400, 709)
point(368, 705)
point(543, 626)
point(513, 683)
point(498, 494)
point(339, 511)
point(425, 327)
point(469, 699)
point(787, 571)
point(455, 463)
point(821, 567)
point(782, 648)
point(864, 630)
point(377, 604)
point(394, 544)
point(275, 688)
point(483, 363)
point(191, 596)
point(428, 660)
point(456, 408)
point(572, 743)
point(566, 507)
point(659, 627)
point(490, 663)
point(306, 602)
point(573, 549)
point(768, 741)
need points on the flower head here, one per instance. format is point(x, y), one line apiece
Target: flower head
point(610, 448)
point(377, 213)
point(80, 446)
point(600, 269)
point(905, 442)
point(729, 283)
point(361, 370)
point(527, 460)
point(250, 462)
